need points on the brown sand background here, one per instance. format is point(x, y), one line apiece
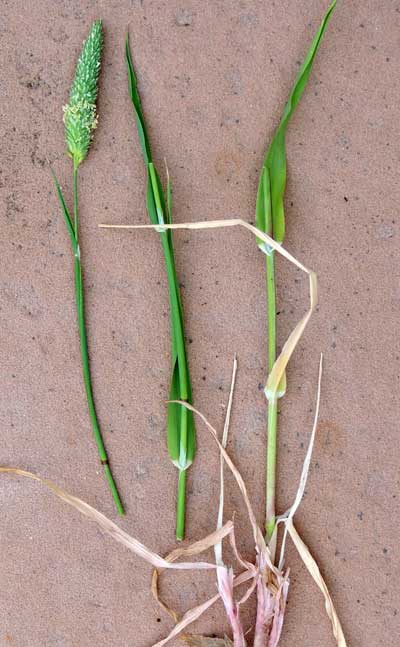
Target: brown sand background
point(214, 76)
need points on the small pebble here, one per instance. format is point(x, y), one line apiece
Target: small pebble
point(384, 232)
point(183, 18)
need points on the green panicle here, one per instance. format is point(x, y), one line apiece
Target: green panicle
point(80, 117)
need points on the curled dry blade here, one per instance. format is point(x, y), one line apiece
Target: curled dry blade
point(114, 531)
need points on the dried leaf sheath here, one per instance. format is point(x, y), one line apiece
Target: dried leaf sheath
point(203, 641)
point(225, 575)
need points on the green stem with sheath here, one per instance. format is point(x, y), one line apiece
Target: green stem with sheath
point(180, 422)
point(270, 219)
point(80, 120)
point(179, 347)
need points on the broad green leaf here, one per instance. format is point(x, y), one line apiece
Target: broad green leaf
point(270, 193)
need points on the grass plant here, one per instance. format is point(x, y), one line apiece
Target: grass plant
point(180, 423)
point(80, 119)
point(270, 218)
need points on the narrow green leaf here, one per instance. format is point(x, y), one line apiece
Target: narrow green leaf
point(173, 418)
point(150, 202)
point(191, 443)
point(271, 198)
point(65, 213)
point(158, 193)
point(137, 105)
point(169, 198)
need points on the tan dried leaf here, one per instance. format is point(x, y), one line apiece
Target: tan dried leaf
point(315, 573)
point(117, 533)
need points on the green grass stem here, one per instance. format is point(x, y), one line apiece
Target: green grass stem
point(80, 121)
point(270, 218)
point(272, 424)
point(180, 423)
point(180, 506)
point(80, 305)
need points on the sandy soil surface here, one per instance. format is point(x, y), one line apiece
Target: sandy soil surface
point(214, 76)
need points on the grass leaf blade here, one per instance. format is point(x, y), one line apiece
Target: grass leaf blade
point(137, 104)
point(65, 212)
point(275, 160)
point(169, 197)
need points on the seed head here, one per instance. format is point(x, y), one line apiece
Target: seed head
point(80, 117)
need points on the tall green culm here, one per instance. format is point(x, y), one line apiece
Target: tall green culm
point(80, 119)
point(270, 219)
point(180, 423)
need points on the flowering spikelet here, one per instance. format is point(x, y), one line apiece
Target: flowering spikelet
point(80, 116)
